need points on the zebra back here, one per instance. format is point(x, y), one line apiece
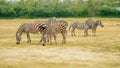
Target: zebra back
point(60, 26)
point(56, 27)
point(30, 27)
point(77, 25)
point(90, 23)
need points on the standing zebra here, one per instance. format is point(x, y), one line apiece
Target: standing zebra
point(55, 28)
point(89, 24)
point(77, 25)
point(48, 22)
point(28, 28)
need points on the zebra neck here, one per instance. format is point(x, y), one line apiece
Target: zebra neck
point(20, 31)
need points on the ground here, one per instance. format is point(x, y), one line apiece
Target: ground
point(101, 51)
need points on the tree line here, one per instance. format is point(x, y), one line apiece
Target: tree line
point(59, 8)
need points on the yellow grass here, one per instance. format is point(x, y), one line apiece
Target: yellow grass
point(102, 51)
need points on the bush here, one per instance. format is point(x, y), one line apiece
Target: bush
point(28, 9)
point(82, 13)
point(108, 11)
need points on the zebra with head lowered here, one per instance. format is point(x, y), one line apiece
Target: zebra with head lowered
point(89, 24)
point(28, 28)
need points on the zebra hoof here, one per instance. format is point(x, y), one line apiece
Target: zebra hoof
point(43, 44)
point(17, 43)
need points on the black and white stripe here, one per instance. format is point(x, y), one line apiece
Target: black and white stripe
point(89, 24)
point(46, 28)
point(55, 28)
point(76, 25)
point(28, 28)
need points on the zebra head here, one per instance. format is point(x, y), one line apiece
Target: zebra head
point(18, 38)
point(98, 22)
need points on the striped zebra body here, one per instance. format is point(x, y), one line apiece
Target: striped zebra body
point(55, 28)
point(45, 28)
point(48, 32)
point(76, 25)
point(89, 24)
point(59, 26)
point(28, 28)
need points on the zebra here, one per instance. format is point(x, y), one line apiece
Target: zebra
point(28, 28)
point(89, 24)
point(76, 24)
point(55, 28)
point(51, 21)
point(45, 28)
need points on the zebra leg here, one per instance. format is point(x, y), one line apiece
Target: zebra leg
point(64, 37)
point(47, 38)
point(85, 32)
point(55, 39)
point(74, 32)
point(41, 39)
point(65, 33)
point(50, 39)
point(94, 32)
point(28, 37)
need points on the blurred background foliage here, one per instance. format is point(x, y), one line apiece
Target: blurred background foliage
point(59, 8)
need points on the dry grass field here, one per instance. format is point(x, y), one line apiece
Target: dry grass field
point(101, 51)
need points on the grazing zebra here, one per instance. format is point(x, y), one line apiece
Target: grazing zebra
point(89, 24)
point(55, 28)
point(28, 28)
